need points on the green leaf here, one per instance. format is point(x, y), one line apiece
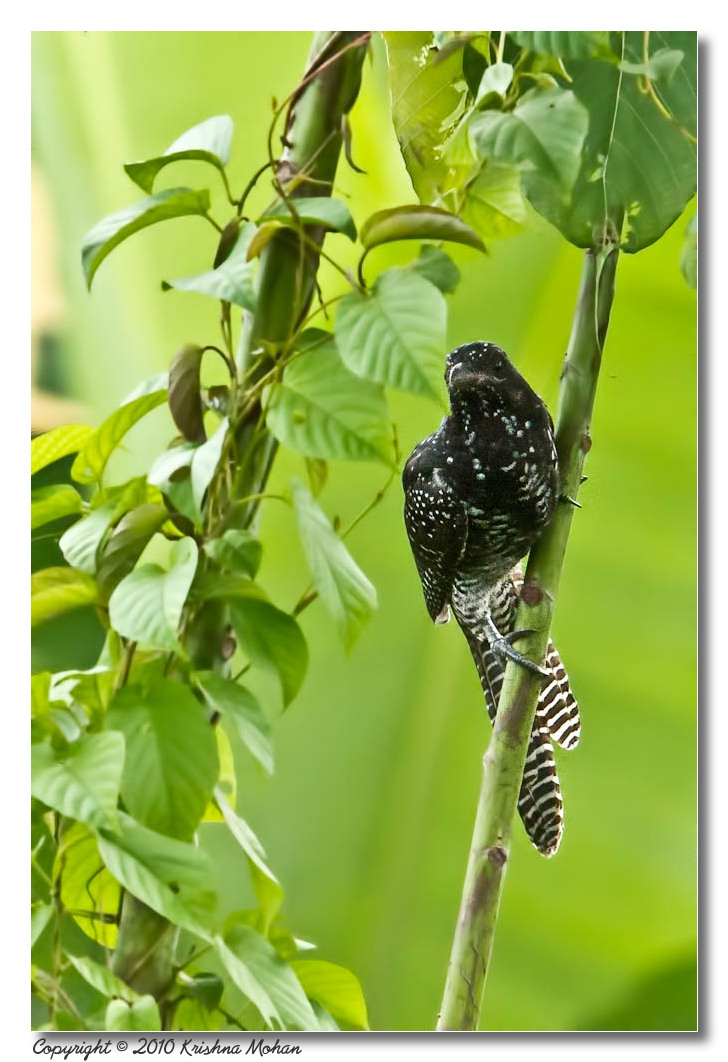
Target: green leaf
point(231, 281)
point(496, 78)
point(51, 503)
point(689, 253)
point(543, 136)
point(98, 448)
point(268, 889)
point(152, 384)
point(236, 550)
point(427, 91)
point(437, 267)
point(244, 977)
point(205, 987)
point(269, 972)
point(322, 410)
point(417, 223)
point(126, 544)
point(185, 399)
point(171, 762)
point(345, 591)
point(172, 877)
point(141, 1016)
point(209, 141)
point(660, 66)
point(205, 460)
point(86, 884)
point(102, 979)
point(81, 781)
point(57, 443)
point(273, 640)
point(492, 202)
point(317, 471)
point(147, 605)
point(171, 474)
point(114, 229)
point(238, 704)
point(39, 920)
point(335, 988)
point(395, 335)
point(57, 590)
point(81, 542)
point(604, 149)
point(317, 210)
point(567, 44)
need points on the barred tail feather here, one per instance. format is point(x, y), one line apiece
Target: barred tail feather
point(557, 719)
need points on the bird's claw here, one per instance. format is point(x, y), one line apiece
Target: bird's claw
point(503, 647)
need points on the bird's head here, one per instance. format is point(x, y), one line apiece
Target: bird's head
point(480, 374)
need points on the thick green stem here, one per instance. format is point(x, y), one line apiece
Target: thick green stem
point(286, 284)
point(504, 760)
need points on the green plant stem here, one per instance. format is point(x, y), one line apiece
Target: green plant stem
point(286, 284)
point(505, 757)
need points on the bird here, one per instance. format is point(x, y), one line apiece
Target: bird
point(479, 492)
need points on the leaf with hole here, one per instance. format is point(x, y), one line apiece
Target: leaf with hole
point(147, 604)
point(335, 988)
point(238, 705)
point(81, 781)
point(171, 764)
point(209, 142)
point(98, 448)
point(57, 443)
point(54, 591)
point(427, 90)
point(114, 229)
point(316, 210)
point(53, 503)
point(322, 410)
point(174, 878)
point(395, 335)
point(346, 593)
point(272, 640)
point(417, 223)
point(231, 281)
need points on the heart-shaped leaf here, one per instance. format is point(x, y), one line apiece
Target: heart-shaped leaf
point(147, 605)
point(171, 764)
point(81, 781)
point(396, 334)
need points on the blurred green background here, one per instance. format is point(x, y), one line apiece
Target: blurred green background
point(367, 820)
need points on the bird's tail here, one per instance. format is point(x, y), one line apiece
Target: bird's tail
point(557, 719)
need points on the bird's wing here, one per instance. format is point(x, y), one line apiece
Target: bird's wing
point(437, 526)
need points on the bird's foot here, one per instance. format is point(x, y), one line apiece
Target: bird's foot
point(501, 644)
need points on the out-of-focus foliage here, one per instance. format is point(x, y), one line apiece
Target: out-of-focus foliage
point(368, 816)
